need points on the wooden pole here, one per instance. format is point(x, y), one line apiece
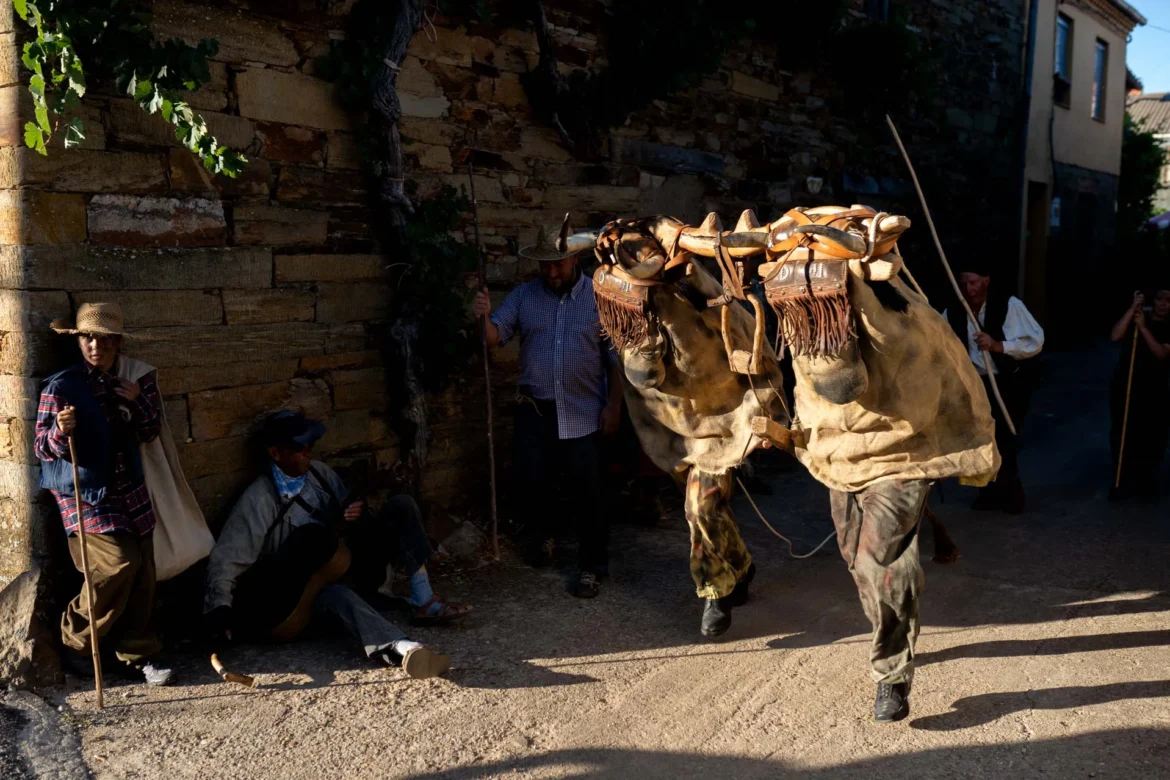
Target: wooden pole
point(487, 370)
point(987, 364)
point(81, 535)
point(1125, 415)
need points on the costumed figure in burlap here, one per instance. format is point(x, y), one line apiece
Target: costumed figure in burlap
point(697, 371)
point(887, 403)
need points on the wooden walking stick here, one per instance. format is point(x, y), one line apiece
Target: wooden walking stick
point(487, 370)
point(1125, 415)
point(81, 535)
point(987, 364)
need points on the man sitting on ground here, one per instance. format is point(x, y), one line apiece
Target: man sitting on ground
point(294, 523)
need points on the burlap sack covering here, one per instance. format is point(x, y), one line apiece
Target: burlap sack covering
point(924, 414)
point(687, 405)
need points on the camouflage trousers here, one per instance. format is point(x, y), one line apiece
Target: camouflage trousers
point(718, 555)
point(877, 531)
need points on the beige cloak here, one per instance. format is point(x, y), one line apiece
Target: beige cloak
point(924, 414)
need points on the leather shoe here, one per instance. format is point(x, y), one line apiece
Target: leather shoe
point(716, 617)
point(892, 703)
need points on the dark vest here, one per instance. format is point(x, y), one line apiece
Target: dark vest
point(993, 319)
point(96, 442)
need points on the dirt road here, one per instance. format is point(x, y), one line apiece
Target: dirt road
point(1043, 654)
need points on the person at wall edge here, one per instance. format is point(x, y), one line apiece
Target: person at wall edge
point(107, 418)
point(570, 395)
point(295, 520)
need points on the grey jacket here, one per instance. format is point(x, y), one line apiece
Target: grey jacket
point(251, 531)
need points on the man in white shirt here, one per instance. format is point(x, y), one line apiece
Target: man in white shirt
point(1012, 337)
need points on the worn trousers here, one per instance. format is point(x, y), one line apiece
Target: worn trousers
point(719, 557)
point(547, 468)
point(1017, 397)
point(121, 568)
point(877, 531)
point(269, 591)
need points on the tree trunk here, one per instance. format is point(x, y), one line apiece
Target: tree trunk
point(394, 206)
point(387, 109)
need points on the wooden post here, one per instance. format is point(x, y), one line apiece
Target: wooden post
point(81, 535)
point(1125, 416)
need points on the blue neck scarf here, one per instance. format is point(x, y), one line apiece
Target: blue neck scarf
point(288, 487)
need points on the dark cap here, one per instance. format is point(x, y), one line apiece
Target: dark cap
point(291, 429)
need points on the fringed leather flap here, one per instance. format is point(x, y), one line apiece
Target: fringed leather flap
point(811, 298)
point(622, 305)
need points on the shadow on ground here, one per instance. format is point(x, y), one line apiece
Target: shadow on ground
point(1128, 753)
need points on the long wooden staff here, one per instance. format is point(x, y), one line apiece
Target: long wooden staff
point(987, 364)
point(487, 370)
point(81, 534)
point(1125, 416)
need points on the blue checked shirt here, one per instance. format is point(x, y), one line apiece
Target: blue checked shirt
point(562, 356)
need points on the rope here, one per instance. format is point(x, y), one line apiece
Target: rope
point(782, 537)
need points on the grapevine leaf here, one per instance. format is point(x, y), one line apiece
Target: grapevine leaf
point(21, 9)
point(43, 119)
point(168, 110)
point(74, 133)
point(36, 85)
point(156, 101)
point(77, 77)
point(32, 135)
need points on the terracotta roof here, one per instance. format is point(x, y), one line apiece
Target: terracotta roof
point(1151, 111)
point(1132, 81)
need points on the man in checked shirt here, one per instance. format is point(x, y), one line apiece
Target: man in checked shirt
point(110, 417)
point(570, 395)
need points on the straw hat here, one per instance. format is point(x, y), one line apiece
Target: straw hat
point(104, 319)
point(545, 250)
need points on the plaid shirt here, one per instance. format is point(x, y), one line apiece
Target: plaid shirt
point(126, 507)
point(562, 356)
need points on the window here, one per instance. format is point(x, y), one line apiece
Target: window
point(1062, 67)
point(1100, 72)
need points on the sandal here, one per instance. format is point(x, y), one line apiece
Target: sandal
point(447, 612)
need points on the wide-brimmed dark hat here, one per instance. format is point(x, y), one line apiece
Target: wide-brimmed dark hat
point(104, 319)
point(546, 250)
point(290, 429)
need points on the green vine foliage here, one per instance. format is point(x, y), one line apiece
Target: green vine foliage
point(1142, 158)
point(431, 286)
point(79, 40)
point(429, 265)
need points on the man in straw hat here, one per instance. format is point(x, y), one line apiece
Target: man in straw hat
point(109, 417)
point(570, 394)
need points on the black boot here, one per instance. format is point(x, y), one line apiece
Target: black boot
point(716, 617)
point(739, 596)
point(892, 703)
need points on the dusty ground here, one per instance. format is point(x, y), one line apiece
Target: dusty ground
point(1043, 654)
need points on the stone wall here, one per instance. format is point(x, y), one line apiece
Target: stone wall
point(267, 291)
point(248, 295)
